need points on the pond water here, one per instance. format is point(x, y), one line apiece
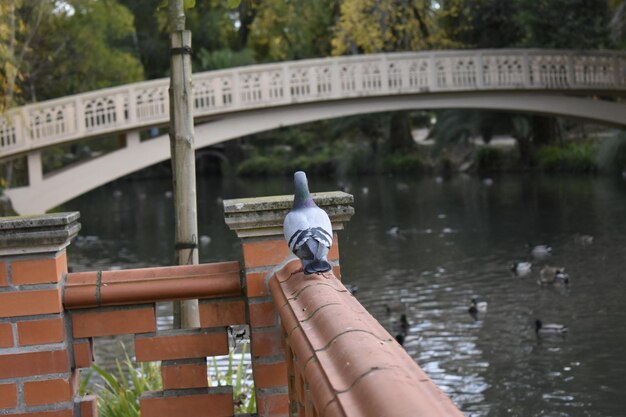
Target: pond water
point(431, 245)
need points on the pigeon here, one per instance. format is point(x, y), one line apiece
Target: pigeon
point(308, 230)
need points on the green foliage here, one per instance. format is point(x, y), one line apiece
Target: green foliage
point(119, 396)
point(285, 30)
point(262, 166)
point(404, 163)
point(223, 58)
point(370, 26)
point(238, 378)
point(60, 48)
point(489, 158)
point(576, 24)
point(573, 158)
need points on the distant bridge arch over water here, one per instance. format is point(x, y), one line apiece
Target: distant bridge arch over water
point(240, 101)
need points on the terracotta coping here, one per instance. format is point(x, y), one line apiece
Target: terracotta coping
point(350, 363)
point(148, 285)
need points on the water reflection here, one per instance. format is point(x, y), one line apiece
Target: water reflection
point(432, 246)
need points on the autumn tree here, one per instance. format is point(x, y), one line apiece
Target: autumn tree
point(373, 26)
point(55, 48)
point(293, 30)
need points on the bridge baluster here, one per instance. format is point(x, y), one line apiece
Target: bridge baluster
point(120, 109)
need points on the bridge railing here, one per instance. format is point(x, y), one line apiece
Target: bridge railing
point(144, 104)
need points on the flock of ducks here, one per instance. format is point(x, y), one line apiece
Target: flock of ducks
point(548, 275)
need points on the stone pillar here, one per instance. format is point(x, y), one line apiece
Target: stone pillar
point(258, 222)
point(36, 356)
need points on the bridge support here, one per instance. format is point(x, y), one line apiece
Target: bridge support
point(35, 168)
point(258, 222)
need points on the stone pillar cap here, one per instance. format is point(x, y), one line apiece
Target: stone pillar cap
point(38, 233)
point(264, 216)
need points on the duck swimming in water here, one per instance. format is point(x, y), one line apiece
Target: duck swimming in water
point(477, 307)
point(540, 251)
point(521, 268)
point(553, 275)
point(549, 329)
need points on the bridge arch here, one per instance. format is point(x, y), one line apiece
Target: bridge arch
point(241, 101)
point(63, 186)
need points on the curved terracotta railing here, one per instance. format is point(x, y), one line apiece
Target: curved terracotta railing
point(146, 104)
point(149, 285)
point(340, 360)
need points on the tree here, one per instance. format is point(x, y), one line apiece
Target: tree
point(483, 24)
point(371, 26)
point(293, 30)
point(575, 24)
point(617, 26)
point(56, 48)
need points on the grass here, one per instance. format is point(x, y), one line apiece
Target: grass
point(119, 392)
point(118, 395)
point(573, 158)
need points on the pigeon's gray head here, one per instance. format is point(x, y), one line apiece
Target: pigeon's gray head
point(301, 194)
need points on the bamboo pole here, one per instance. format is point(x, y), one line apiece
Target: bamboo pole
point(183, 158)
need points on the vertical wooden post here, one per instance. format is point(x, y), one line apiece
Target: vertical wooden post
point(183, 157)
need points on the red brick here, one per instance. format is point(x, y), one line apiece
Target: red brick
point(17, 365)
point(333, 253)
point(6, 335)
point(40, 332)
point(272, 405)
point(206, 403)
point(113, 322)
point(86, 406)
point(262, 314)
point(57, 413)
point(222, 313)
point(256, 285)
point(268, 343)
point(180, 344)
point(28, 303)
point(267, 375)
point(47, 392)
point(4, 275)
point(8, 396)
point(184, 375)
point(83, 353)
point(337, 272)
point(38, 271)
point(265, 253)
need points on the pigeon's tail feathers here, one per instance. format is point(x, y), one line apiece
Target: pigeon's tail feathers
point(302, 236)
point(317, 266)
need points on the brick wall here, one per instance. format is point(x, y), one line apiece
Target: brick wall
point(36, 361)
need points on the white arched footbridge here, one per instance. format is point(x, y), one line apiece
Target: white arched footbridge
point(241, 101)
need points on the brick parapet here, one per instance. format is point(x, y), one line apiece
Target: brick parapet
point(48, 319)
point(36, 373)
point(258, 223)
point(341, 361)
